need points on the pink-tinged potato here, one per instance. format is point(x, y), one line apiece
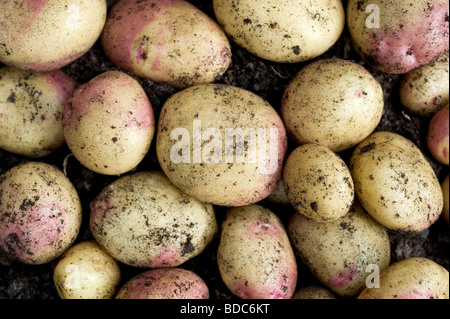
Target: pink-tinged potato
point(166, 41)
point(40, 213)
point(255, 257)
point(109, 123)
point(143, 220)
point(165, 283)
point(445, 192)
point(31, 110)
point(397, 36)
point(339, 253)
point(221, 144)
point(412, 278)
point(46, 35)
point(437, 138)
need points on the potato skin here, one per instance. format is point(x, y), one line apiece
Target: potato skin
point(445, 192)
point(395, 183)
point(338, 252)
point(411, 33)
point(412, 278)
point(40, 213)
point(86, 271)
point(143, 220)
point(255, 257)
point(437, 137)
point(313, 292)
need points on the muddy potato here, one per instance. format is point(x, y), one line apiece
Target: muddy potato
point(45, 35)
point(255, 257)
point(313, 292)
point(340, 253)
point(445, 192)
point(332, 102)
point(437, 137)
point(395, 183)
point(166, 41)
point(279, 31)
point(398, 36)
point(143, 220)
point(40, 213)
point(318, 183)
point(221, 144)
point(109, 123)
point(411, 278)
point(86, 271)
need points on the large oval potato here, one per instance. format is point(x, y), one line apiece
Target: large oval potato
point(395, 183)
point(255, 257)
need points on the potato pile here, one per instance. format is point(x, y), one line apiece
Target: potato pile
point(307, 179)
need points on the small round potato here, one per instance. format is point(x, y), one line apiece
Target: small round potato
point(445, 192)
point(341, 254)
point(109, 123)
point(332, 102)
point(412, 278)
point(165, 283)
point(166, 41)
point(313, 292)
point(255, 257)
point(282, 31)
point(86, 271)
point(318, 183)
point(46, 35)
point(437, 137)
point(395, 183)
point(40, 213)
point(143, 220)
point(31, 110)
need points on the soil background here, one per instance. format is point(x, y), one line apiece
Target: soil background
point(267, 79)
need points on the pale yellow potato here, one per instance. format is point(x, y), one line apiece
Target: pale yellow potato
point(445, 192)
point(86, 271)
point(341, 254)
point(313, 292)
point(332, 102)
point(280, 30)
point(318, 183)
point(395, 183)
point(411, 278)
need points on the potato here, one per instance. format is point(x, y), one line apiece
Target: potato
point(109, 123)
point(165, 283)
point(437, 137)
point(166, 41)
point(411, 278)
point(255, 257)
point(31, 110)
point(425, 90)
point(313, 292)
point(341, 254)
point(86, 271)
point(143, 220)
point(278, 30)
point(221, 144)
point(46, 35)
point(40, 213)
point(332, 102)
point(318, 183)
point(445, 192)
point(395, 183)
point(278, 196)
point(398, 36)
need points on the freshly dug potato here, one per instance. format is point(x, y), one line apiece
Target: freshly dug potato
point(31, 110)
point(143, 220)
point(332, 102)
point(318, 183)
point(165, 283)
point(437, 137)
point(395, 183)
point(40, 213)
point(398, 36)
point(313, 292)
point(412, 278)
point(109, 123)
point(46, 35)
point(255, 257)
point(166, 41)
point(221, 144)
point(426, 89)
point(445, 192)
point(86, 271)
point(281, 31)
point(338, 253)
